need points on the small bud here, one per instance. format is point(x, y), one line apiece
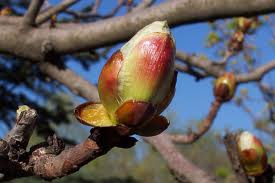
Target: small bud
point(225, 87)
point(252, 154)
point(6, 11)
point(244, 24)
point(236, 42)
point(53, 21)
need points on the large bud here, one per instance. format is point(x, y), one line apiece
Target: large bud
point(252, 154)
point(225, 87)
point(138, 82)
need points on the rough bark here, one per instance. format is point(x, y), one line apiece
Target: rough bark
point(69, 38)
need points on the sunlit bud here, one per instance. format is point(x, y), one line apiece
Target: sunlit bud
point(236, 41)
point(129, 2)
point(6, 11)
point(138, 82)
point(252, 154)
point(225, 87)
point(53, 21)
point(244, 23)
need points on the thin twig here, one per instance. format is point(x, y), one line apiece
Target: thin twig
point(74, 82)
point(204, 126)
point(95, 7)
point(183, 170)
point(54, 10)
point(257, 74)
point(32, 12)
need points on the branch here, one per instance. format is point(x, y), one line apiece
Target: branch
point(201, 63)
point(49, 160)
point(43, 17)
point(204, 126)
point(101, 140)
point(257, 74)
point(74, 82)
point(75, 37)
point(95, 6)
point(183, 170)
point(20, 134)
point(213, 69)
point(188, 69)
point(232, 151)
point(32, 12)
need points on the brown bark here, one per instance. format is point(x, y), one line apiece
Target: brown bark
point(69, 38)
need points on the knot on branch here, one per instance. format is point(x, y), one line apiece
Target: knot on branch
point(47, 48)
point(56, 145)
point(108, 137)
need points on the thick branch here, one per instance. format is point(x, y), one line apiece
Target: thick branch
point(183, 170)
point(189, 70)
point(204, 126)
point(49, 160)
point(31, 14)
point(101, 140)
point(68, 38)
point(142, 5)
point(215, 70)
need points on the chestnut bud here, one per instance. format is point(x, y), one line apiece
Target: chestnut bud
point(251, 153)
point(136, 84)
point(244, 23)
point(6, 11)
point(225, 87)
point(236, 41)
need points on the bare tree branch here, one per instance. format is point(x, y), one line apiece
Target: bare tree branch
point(31, 14)
point(70, 79)
point(101, 140)
point(43, 17)
point(20, 134)
point(183, 170)
point(69, 38)
point(144, 4)
point(95, 6)
point(201, 62)
point(49, 160)
point(257, 74)
point(232, 151)
point(204, 126)
point(188, 69)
